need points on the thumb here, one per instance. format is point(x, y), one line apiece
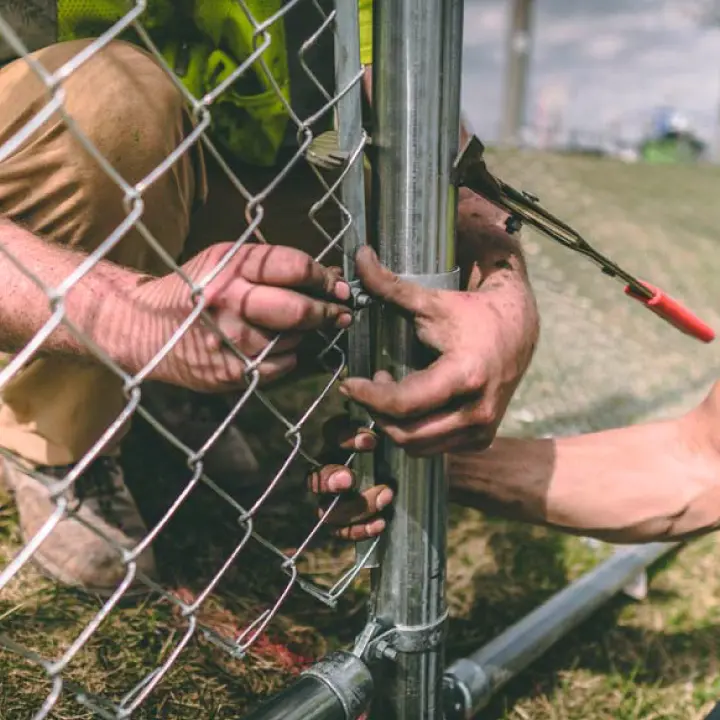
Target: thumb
point(386, 285)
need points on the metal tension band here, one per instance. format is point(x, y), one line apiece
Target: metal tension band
point(440, 281)
point(409, 639)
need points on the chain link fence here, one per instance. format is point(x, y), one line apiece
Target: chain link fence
point(257, 442)
point(220, 479)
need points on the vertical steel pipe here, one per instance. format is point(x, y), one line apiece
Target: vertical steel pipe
point(417, 46)
point(350, 136)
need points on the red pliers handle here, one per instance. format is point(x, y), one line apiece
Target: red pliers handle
point(471, 172)
point(673, 312)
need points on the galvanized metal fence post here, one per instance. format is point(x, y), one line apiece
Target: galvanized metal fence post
point(417, 46)
point(351, 136)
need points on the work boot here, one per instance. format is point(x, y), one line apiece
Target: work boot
point(73, 554)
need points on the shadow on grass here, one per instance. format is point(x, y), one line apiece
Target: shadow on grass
point(620, 657)
point(507, 570)
point(526, 566)
point(522, 567)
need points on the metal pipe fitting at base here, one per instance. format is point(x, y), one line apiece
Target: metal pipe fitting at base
point(338, 687)
point(470, 682)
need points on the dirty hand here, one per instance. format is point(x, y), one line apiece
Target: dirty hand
point(458, 401)
point(262, 291)
point(348, 513)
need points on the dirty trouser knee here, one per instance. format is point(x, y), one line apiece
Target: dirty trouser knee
point(122, 101)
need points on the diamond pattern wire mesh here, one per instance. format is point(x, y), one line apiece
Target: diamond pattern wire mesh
point(602, 360)
point(296, 458)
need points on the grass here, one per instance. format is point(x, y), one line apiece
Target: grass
point(603, 361)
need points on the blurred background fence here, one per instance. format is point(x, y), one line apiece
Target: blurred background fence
point(601, 361)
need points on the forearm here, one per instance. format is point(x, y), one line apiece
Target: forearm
point(491, 260)
point(97, 305)
point(484, 249)
point(491, 263)
point(635, 484)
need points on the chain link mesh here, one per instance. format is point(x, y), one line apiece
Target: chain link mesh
point(173, 419)
point(602, 361)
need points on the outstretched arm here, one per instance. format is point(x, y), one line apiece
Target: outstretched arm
point(654, 482)
point(659, 481)
point(262, 290)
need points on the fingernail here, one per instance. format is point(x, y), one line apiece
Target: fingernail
point(340, 481)
point(384, 499)
point(365, 441)
point(343, 390)
point(342, 290)
point(344, 320)
point(375, 527)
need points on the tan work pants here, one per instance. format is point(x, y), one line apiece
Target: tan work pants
point(124, 103)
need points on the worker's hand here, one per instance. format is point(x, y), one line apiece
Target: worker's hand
point(263, 290)
point(354, 515)
point(458, 401)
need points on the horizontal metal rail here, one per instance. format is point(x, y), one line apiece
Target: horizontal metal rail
point(472, 681)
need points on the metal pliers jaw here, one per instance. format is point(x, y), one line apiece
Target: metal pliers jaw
point(470, 171)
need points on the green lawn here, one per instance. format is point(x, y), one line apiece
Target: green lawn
point(603, 361)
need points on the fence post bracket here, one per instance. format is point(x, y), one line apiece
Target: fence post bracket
point(407, 639)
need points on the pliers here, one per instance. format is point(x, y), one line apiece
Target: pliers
point(470, 171)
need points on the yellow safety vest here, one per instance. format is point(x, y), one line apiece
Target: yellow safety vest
point(205, 41)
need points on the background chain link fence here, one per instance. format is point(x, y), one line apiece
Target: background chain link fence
point(256, 442)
